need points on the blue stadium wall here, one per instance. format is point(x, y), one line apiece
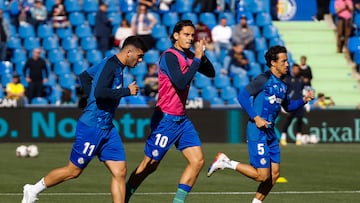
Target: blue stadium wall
point(213, 125)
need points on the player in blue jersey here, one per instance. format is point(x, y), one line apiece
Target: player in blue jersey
point(262, 100)
point(170, 125)
point(95, 134)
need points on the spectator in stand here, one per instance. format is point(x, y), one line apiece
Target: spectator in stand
point(344, 11)
point(221, 35)
point(103, 28)
point(323, 102)
point(322, 9)
point(235, 62)
point(148, 3)
point(165, 5)
point(4, 35)
point(25, 14)
point(142, 23)
point(59, 15)
point(38, 14)
point(14, 89)
point(203, 32)
point(151, 81)
point(305, 71)
point(14, 11)
point(66, 99)
point(295, 90)
point(34, 70)
point(205, 5)
point(356, 5)
point(244, 34)
point(122, 32)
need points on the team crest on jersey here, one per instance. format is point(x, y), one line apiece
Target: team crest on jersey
point(272, 99)
point(262, 161)
point(80, 160)
point(155, 153)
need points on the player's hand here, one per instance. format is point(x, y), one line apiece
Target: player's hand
point(309, 95)
point(261, 123)
point(134, 88)
point(199, 48)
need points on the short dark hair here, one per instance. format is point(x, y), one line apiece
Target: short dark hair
point(136, 42)
point(179, 26)
point(272, 54)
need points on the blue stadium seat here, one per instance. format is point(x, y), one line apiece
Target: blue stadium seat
point(64, 32)
point(18, 55)
point(67, 81)
point(5, 79)
point(260, 44)
point(229, 16)
point(115, 18)
point(88, 43)
point(91, 18)
point(357, 57)
point(19, 66)
point(76, 18)
point(6, 68)
point(254, 69)
point(55, 55)
point(72, 6)
point(13, 30)
point(49, 5)
point(26, 31)
point(260, 57)
point(50, 43)
point(128, 79)
point(51, 80)
point(61, 68)
point(159, 31)
point(169, 19)
point(250, 56)
point(211, 55)
point(136, 100)
point(201, 81)
point(90, 6)
point(94, 56)
point(208, 19)
point(129, 16)
point(258, 6)
point(139, 70)
point(39, 101)
point(263, 19)
point(240, 81)
point(140, 80)
point(69, 43)
point(112, 5)
point(152, 56)
point(209, 92)
point(45, 30)
point(31, 43)
point(80, 66)
point(14, 42)
point(249, 17)
point(183, 6)
point(270, 31)
point(276, 41)
point(74, 55)
point(216, 101)
point(256, 31)
point(111, 52)
point(163, 43)
point(190, 16)
point(83, 30)
point(127, 6)
point(228, 93)
point(221, 81)
point(193, 92)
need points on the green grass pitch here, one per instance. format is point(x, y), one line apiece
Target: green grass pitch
point(328, 173)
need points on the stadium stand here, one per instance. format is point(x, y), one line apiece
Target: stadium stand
point(71, 50)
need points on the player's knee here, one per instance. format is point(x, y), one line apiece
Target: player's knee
point(275, 176)
point(262, 177)
point(74, 173)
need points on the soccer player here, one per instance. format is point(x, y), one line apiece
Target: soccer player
point(170, 124)
point(269, 93)
point(95, 134)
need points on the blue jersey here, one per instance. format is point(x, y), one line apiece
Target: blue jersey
point(106, 80)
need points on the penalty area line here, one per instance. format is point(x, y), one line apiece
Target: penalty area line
point(192, 193)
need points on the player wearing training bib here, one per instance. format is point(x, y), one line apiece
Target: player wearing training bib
point(170, 124)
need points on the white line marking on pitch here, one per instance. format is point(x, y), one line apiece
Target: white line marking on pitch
point(192, 193)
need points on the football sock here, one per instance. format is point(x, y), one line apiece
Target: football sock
point(182, 193)
point(298, 136)
point(39, 186)
point(129, 192)
point(283, 136)
point(256, 201)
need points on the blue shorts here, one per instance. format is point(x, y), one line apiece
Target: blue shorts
point(167, 130)
point(91, 141)
point(263, 147)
